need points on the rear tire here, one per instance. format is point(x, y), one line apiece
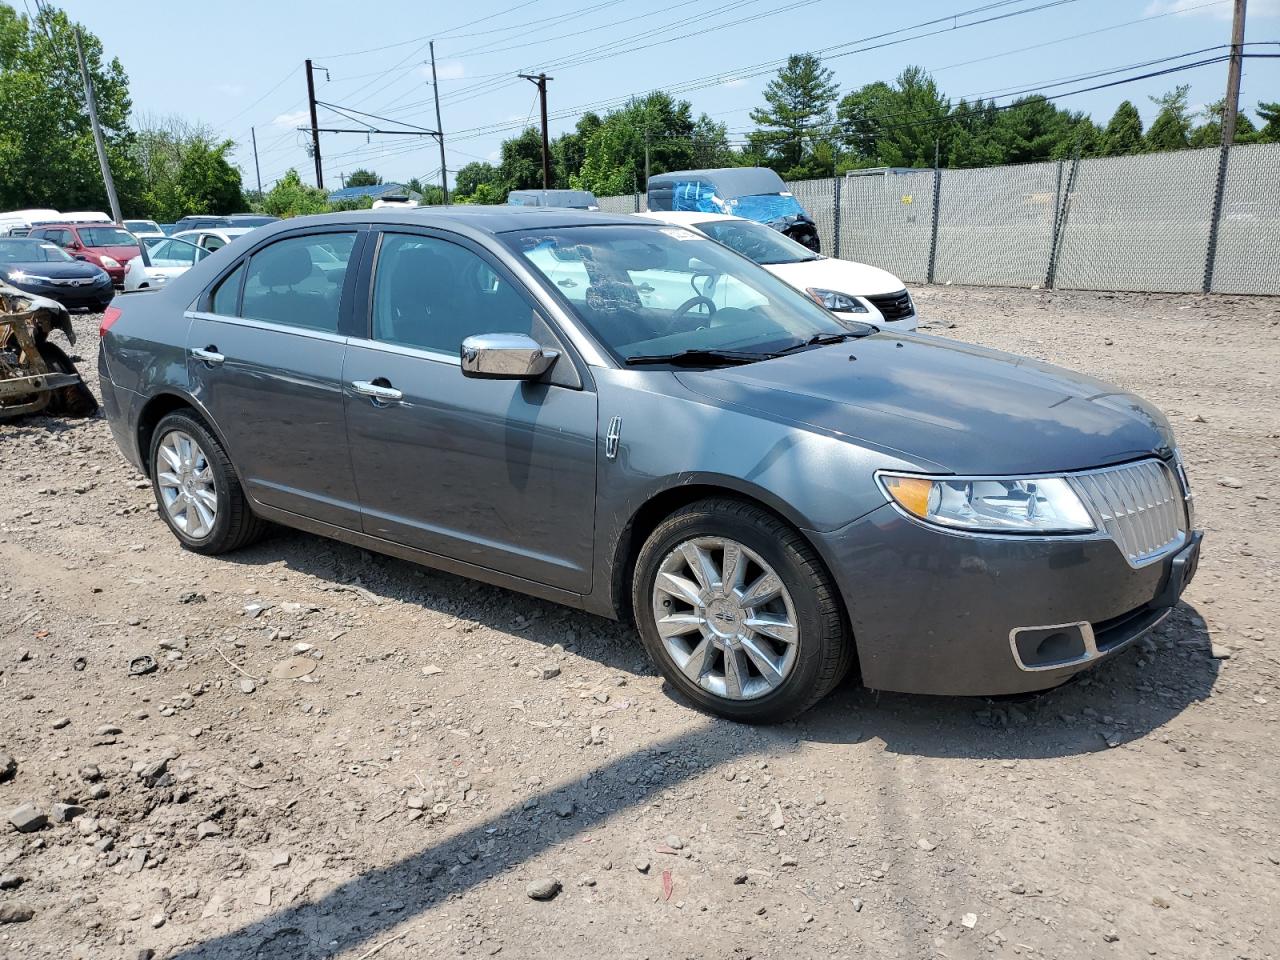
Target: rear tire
point(76, 400)
point(196, 488)
point(789, 649)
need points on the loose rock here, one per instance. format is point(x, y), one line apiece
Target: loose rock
point(543, 889)
point(28, 819)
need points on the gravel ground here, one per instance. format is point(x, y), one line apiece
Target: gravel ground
point(341, 754)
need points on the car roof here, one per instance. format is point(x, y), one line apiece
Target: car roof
point(480, 219)
point(225, 231)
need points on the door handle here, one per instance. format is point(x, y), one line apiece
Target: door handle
point(377, 391)
point(209, 354)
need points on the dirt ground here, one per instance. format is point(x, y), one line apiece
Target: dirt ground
point(455, 745)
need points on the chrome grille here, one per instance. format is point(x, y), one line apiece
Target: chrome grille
point(1139, 505)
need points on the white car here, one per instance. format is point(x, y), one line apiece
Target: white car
point(212, 238)
point(160, 261)
point(144, 228)
point(852, 291)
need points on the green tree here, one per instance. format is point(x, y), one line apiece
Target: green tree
point(1270, 114)
point(664, 127)
point(521, 164)
point(290, 197)
point(569, 150)
point(361, 177)
point(1171, 129)
point(47, 156)
point(1209, 133)
point(1123, 133)
point(1033, 129)
point(796, 114)
point(472, 176)
point(183, 170)
point(899, 124)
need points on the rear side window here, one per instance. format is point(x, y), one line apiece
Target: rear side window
point(298, 282)
point(227, 296)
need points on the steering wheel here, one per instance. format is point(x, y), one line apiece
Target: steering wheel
point(692, 302)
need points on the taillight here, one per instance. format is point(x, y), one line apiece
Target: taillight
point(109, 316)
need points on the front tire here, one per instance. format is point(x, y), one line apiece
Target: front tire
point(197, 491)
point(76, 400)
point(738, 612)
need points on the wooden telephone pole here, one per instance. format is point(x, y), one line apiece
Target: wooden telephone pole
point(541, 81)
point(1231, 109)
point(315, 127)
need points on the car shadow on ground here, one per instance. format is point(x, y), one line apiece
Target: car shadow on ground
point(1127, 698)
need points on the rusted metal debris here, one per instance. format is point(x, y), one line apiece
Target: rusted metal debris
point(36, 375)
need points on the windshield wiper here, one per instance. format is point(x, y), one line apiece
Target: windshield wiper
point(700, 358)
point(824, 339)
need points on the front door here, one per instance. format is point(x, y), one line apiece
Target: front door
point(500, 474)
point(265, 359)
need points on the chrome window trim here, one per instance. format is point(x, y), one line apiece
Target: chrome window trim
point(402, 350)
point(268, 326)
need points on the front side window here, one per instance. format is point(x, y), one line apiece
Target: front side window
point(648, 291)
point(432, 294)
point(298, 282)
point(173, 253)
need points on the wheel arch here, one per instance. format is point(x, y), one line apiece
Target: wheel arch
point(160, 406)
point(662, 503)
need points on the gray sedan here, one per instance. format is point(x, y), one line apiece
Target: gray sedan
point(628, 418)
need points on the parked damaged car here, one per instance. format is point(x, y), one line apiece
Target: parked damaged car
point(753, 193)
point(36, 375)
point(545, 400)
point(44, 269)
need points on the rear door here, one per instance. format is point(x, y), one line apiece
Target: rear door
point(265, 357)
point(496, 473)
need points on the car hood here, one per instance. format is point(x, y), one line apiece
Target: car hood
point(842, 276)
point(55, 268)
point(119, 254)
point(965, 409)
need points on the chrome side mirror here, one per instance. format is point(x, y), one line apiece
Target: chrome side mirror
point(505, 356)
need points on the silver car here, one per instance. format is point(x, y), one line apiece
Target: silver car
point(628, 418)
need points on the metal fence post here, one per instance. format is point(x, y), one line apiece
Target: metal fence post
point(636, 197)
point(835, 242)
point(1211, 253)
point(1060, 218)
point(933, 239)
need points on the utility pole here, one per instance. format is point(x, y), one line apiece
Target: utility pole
point(646, 154)
point(256, 169)
point(97, 133)
point(1231, 108)
point(541, 80)
point(435, 90)
point(315, 127)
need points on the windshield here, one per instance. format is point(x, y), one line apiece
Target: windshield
point(653, 291)
point(756, 242)
point(765, 208)
point(30, 251)
point(107, 237)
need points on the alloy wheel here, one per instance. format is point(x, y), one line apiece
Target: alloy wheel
point(185, 479)
point(725, 618)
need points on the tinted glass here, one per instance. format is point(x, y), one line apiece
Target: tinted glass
point(660, 290)
point(107, 237)
point(298, 282)
point(143, 226)
point(756, 242)
point(31, 251)
point(212, 242)
point(228, 292)
point(433, 294)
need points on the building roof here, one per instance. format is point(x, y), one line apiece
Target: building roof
point(375, 191)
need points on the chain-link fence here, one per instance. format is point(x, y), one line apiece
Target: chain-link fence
point(1192, 220)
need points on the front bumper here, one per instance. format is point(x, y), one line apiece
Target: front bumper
point(89, 295)
point(941, 613)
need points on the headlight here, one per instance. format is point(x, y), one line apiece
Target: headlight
point(16, 276)
point(1185, 482)
point(835, 301)
point(110, 263)
point(981, 505)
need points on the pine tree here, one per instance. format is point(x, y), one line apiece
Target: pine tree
point(1123, 135)
point(1172, 127)
point(797, 111)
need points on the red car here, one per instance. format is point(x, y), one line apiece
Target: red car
point(103, 244)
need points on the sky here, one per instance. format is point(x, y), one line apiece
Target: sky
point(236, 65)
